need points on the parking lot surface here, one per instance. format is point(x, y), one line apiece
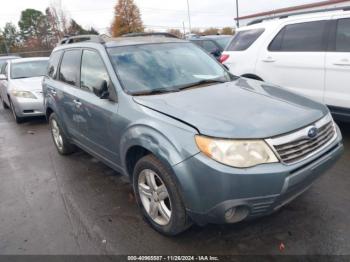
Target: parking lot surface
point(50, 204)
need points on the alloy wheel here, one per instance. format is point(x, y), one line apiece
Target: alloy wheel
point(154, 197)
point(56, 133)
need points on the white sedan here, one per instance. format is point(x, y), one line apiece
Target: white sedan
point(20, 86)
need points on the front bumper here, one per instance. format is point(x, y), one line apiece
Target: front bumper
point(26, 107)
point(211, 190)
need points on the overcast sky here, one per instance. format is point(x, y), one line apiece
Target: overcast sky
point(156, 14)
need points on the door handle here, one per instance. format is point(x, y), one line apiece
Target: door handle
point(343, 62)
point(269, 59)
point(77, 103)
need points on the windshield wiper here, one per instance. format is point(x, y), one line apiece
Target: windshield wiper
point(155, 92)
point(202, 82)
point(21, 77)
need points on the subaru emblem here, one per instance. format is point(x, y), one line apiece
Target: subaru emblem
point(312, 133)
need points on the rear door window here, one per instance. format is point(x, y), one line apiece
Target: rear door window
point(342, 42)
point(53, 64)
point(302, 37)
point(70, 67)
point(244, 39)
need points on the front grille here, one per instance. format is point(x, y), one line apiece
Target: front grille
point(298, 146)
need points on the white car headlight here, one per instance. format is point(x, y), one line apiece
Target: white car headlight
point(236, 153)
point(23, 94)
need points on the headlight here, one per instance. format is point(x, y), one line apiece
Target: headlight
point(236, 153)
point(23, 94)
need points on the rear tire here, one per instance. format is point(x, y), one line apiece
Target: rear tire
point(63, 146)
point(160, 201)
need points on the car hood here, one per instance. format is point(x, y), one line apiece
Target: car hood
point(27, 84)
point(239, 109)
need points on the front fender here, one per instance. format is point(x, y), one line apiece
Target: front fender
point(168, 139)
point(170, 144)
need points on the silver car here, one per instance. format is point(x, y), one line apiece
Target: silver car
point(20, 86)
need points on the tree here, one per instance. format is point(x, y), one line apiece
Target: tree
point(196, 31)
point(61, 19)
point(29, 23)
point(3, 45)
point(53, 19)
point(227, 31)
point(76, 29)
point(127, 18)
point(10, 37)
point(175, 32)
point(92, 31)
point(211, 31)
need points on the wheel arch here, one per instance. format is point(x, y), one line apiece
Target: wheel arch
point(141, 140)
point(48, 112)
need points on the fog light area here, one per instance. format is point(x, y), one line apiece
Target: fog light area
point(236, 214)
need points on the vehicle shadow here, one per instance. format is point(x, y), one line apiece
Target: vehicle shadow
point(344, 127)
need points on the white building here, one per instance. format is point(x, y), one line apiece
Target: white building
point(243, 20)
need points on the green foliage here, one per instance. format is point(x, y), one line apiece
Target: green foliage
point(76, 29)
point(30, 23)
point(9, 38)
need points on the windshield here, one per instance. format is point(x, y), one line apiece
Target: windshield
point(167, 67)
point(223, 41)
point(28, 69)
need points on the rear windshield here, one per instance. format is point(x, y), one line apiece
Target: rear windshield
point(223, 41)
point(244, 39)
point(29, 69)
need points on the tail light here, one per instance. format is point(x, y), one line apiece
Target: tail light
point(223, 58)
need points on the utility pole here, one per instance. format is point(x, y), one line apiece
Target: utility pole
point(183, 25)
point(189, 16)
point(237, 14)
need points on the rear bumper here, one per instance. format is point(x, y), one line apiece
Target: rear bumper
point(28, 107)
point(214, 193)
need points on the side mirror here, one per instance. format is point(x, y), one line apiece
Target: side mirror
point(102, 92)
point(216, 52)
point(3, 77)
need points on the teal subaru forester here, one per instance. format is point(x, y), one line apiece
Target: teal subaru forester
point(199, 144)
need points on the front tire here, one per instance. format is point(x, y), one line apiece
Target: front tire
point(63, 146)
point(158, 197)
point(4, 105)
point(15, 116)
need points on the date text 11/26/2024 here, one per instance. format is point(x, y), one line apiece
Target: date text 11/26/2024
point(173, 258)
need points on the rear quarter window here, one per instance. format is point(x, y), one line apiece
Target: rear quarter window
point(343, 36)
point(244, 39)
point(301, 37)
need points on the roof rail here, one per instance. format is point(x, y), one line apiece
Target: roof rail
point(257, 21)
point(81, 38)
point(150, 34)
